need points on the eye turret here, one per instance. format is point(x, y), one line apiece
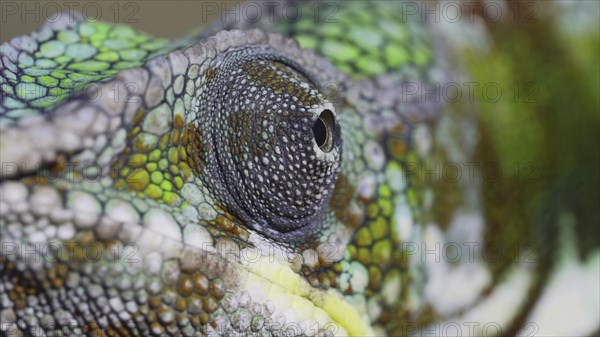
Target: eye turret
point(324, 130)
point(275, 144)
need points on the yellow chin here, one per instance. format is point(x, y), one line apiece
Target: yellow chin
point(305, 307)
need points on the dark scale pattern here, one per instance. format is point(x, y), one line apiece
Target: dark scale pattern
point(258, 112)
point(111, 298)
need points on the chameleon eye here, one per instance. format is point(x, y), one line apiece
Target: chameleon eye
point(324, 130)
point(274, 145)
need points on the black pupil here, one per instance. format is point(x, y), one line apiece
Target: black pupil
point(320, 132)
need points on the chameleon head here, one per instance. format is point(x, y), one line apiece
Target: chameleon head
point(272, 143)
point(228, 143)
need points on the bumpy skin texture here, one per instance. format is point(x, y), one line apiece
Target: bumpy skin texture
point(232, 183)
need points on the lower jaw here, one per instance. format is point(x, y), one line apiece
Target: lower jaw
point(303, 306)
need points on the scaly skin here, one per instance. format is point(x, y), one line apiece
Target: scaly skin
point(154, 187)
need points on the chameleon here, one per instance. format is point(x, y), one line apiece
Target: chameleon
point(300, 177)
